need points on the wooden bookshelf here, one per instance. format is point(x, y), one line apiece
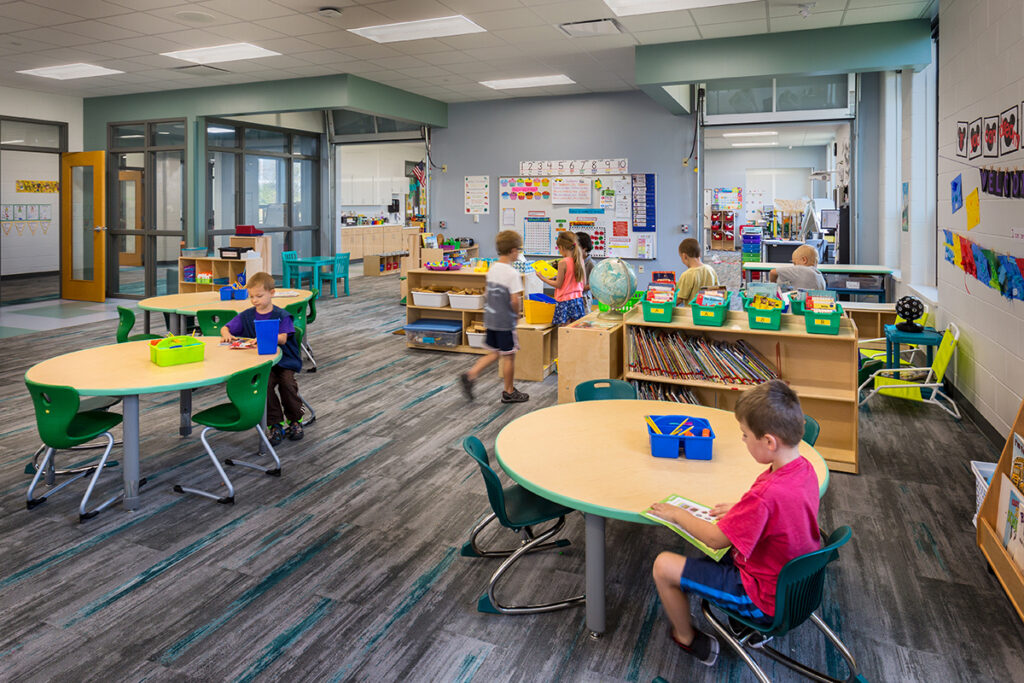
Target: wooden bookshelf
point(453, 279)
point(989, 537)
point(382, 264)
point(219, 267)
point(586, 353)
point(871, 318)
point(822, 369)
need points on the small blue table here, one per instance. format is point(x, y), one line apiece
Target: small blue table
point(314, 263)
point(894, 337)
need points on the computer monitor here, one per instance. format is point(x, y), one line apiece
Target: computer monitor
point(830, 218)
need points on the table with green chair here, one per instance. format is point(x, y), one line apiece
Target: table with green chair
point(125, 323)
point(125, 370)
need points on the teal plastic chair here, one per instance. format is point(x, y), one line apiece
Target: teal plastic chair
point(299, 313)
point(125, 323)
point(211, 320)
point(247, 393)
point(811, 430)
point(62, 426)
point(798, 595)
point(604, 390)
point(517, 509)
point(339, 269)
point(289, 269)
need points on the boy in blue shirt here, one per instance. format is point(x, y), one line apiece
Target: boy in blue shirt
point(282, 375)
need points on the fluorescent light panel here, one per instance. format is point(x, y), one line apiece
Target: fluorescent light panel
point(66, 72)
point(755, 144)
point(440, 27)
point(758, 134)
point(221, 53)
point(625, 8)
point(528, 82)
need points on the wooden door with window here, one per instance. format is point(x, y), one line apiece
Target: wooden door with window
point(132, 210)
point(83, 227)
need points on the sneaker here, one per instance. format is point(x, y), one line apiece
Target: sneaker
point(703, 647)
point(294, 432)
point(515, 396)
point(276, 435)
point(467, 385)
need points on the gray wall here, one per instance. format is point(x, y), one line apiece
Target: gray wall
point(866, 161)
point(491, 138)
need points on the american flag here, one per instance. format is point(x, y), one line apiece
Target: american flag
point(420, 171)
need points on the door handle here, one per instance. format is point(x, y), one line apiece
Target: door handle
point(99, 228)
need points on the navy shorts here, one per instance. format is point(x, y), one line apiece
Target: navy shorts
point(505, 342)
point(720, 583)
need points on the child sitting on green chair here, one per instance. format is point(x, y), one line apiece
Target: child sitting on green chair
point(282, 375)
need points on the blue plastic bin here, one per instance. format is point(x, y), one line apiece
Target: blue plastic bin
point(690, 447)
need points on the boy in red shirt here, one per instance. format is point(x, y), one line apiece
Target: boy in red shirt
point(774, 522)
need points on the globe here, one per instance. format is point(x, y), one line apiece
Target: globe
point(612, 282)
point(910, 309)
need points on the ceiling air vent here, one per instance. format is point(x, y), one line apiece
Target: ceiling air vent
point(586, 29)
point(201, 70)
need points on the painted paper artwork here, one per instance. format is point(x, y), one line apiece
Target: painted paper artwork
point(956, 193)
point(973, 209)
point(1001, 272)
point(1009, 131)
point(974, 139)
point(990, 137)
point(961, 138)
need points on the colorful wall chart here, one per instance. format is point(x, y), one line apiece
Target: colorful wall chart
point(1001, 272)
point(574, 167)
point(36, 186)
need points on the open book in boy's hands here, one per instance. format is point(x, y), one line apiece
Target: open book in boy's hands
point(701, 512)
point(240, 343)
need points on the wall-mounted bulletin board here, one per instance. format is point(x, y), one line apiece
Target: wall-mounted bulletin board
point(540, 207)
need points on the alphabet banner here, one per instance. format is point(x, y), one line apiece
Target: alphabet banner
point(1001, 272)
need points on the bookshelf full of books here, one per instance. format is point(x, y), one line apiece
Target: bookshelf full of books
point(689, 363)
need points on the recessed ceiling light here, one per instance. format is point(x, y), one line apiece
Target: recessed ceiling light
point(529, 82)
point(195, 16)
point(221, 53)
point(757, 134)
point(66, 72)
point(755, 144)
point(414, 30)
point(586, 29)
point(625, 8)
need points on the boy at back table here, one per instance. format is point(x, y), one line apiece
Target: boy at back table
point(282, 375)
point(803, 274)
point(773, 522)
point(503, 300)
point(697, 274)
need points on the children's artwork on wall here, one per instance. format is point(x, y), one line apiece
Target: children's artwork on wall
point(1009, 131)
point(973, 209)
point(974, 139)
point(1001, 272)
point(967, 256)
point(961, 138)
point(990, 136)
point(956, 193)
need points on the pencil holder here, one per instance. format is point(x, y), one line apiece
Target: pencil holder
point(176, 350)
point(266, 336)
point(694, 446)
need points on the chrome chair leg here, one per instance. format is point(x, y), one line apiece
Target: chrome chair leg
point(471, 549)
point(309, 354)
point(48, 468)
point(274, 472)
point(305, 422)
point(489, 601)
point(736, 645)
point(83, 514)
point(228, 499)
point(34, 465)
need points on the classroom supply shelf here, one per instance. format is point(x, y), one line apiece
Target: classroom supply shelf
point(449, 279)
point(224, 272)
point(589, 348)
point(821, 369)
point(383, 264)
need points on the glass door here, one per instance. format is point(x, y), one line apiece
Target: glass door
point(133, 208)
point(83, 226)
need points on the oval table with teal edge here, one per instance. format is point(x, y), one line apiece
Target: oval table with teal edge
point(126, 370)
point(595, 457)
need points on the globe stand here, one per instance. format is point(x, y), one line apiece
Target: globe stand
point(908, 326)
point(609, 315)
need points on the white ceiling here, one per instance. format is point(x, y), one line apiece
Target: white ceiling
point(789, 135)
point(522, 39)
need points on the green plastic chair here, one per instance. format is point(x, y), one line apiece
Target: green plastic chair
point(339, 269)
point(519, 510)
point(604, 390)
point(299, 314)
point(798, 595)
point(310, 415)
point(247, 393)
point(311, 316)
point(125, 323)
point(811, 430)
point(211, 320)
point(61, 426)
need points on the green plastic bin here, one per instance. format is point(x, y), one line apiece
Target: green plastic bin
point(823, 323)
point(659, 313)
point(710, 316)
point(629, 304)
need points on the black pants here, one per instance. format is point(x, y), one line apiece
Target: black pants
point(284, 381)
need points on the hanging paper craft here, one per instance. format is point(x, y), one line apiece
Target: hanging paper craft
point(974, 139)
point(973, 209)
point(1010, 278)
point(957, 254)
point(1001, 272)
point(968, 257)
point(956, 193)
point(993, 268)
point(1009, 131)
point(947, 237)
point(961, 138)
point(980, 264)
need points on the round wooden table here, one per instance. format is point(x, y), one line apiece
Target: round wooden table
point(190, 303)
point(125, 370)
point(595, 457)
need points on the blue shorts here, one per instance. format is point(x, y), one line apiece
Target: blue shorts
point(569, 311)
point(720, 583)
point(505, 342)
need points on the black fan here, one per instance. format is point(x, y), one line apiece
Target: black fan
point(910, 309)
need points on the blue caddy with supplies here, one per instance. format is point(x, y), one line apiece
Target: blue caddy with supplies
point(673, 436)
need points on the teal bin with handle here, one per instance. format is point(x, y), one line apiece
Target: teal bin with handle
point(710, 316)
point(823, 323)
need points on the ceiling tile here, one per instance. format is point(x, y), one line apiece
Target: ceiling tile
point(9, 25)
point(47, 36)
point(244, 32)
point(468, 7)
point(798, 23)
point(297, 25)
point(507, 52)
point(573, 10)
point(452, 57)
point(176, 12)
point(155, 62)
point(64, 55)
point(287, 45)
point(318, 57)
point(364, 68)
point(146, 24)
point(89, 9)
point(669, 35)
point(194, 37)
point(399, 62)
point(506, 19)
point(98, 30)
point(861, 4)
point(152, 44)
point(250, 10)
point(338, 39)
point(790, 8)
point(145, 5)
point(34, 14)
point(738, 28)
point(371, 52)
point(605, 42)
point(534, 34)
point(656, 22)
point(316, 70)
point(472, 41)
point(891, 13)
point(310, 6)
point(746, 11)
point(411, 10)
point(424, 71)
point(420, 47)
point(358, 17)
point(279, 62)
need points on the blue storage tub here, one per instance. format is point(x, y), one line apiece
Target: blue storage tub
point(690, 447)
point(434, 332)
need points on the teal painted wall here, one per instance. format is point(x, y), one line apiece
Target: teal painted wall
point(844, 49)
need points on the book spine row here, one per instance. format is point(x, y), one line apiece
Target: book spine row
point(655, 391)
point(669, 353)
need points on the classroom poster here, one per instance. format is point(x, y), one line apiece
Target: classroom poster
point(478, 194)
point(571, 191)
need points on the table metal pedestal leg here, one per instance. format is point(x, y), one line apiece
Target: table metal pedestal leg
point(175, 323)
point(185, 410)
point(130, 469)
point(595, 575)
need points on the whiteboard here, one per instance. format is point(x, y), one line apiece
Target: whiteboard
point(528, 205)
